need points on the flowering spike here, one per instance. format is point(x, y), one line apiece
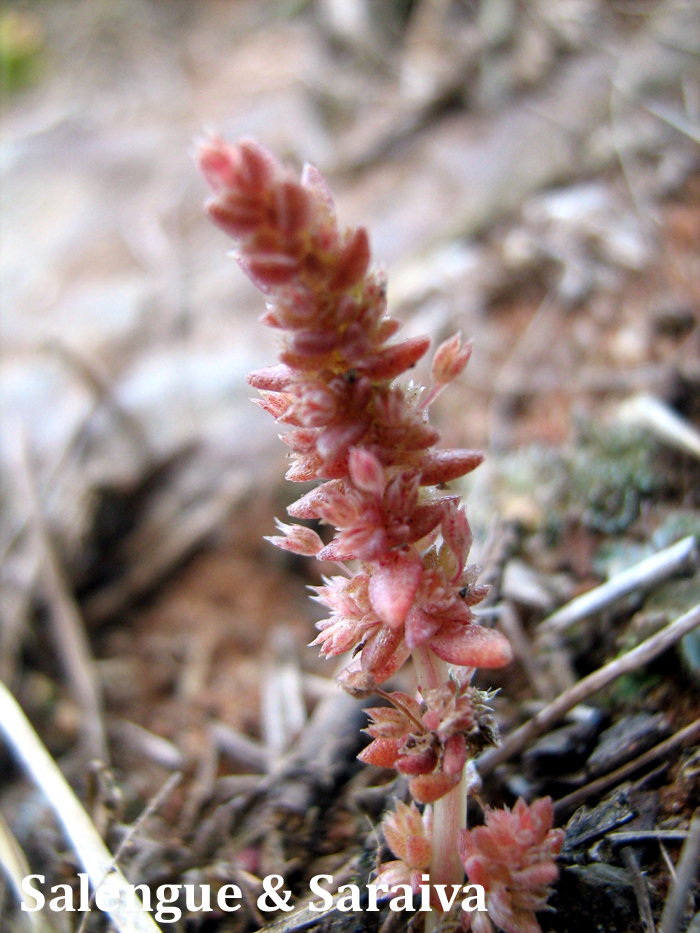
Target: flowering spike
point(366, 439)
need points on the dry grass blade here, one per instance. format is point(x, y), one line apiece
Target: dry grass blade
point(640, 889)
point(686, 872)
point(67, 624)
point(15, 867)
point(679, 558)
point(283, 707)
point(94, 856)
point(518, 740)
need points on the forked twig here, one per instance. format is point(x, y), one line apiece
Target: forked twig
point(557, 709)
point(93, 854)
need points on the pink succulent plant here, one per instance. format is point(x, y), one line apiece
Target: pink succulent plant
point(365, 437)
point(429, 740)
point(513, 857)
point(407, 834)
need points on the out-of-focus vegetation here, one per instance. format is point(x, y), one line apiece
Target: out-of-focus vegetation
point(21, 44)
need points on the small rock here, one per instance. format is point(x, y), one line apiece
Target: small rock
point(629, 737)
point(563, 749)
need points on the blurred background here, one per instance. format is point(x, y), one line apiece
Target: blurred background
point(529, 172)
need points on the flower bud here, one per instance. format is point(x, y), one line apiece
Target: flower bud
point(297, 538)
point(450, 359)
point(366, 472)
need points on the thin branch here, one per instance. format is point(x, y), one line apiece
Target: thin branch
point(681, 557)
point(623, 838)
point(67, 625)
point(686, 872)
point(574, 800)
point(244, 751)
point(640, 889)
point(151, 807)
point(523, 650)
point(93, 854)
point(555, 711)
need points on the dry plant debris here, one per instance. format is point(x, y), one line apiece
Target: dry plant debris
point(565, 137)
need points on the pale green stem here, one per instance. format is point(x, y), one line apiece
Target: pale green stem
point(450, 811)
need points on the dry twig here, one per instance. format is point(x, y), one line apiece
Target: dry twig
point(686, 872)
point(555, 711)
point(92, 853)
point(522, 649)
point(681, 557)
point(573, 800)
point(67, 625)
point(240, 748)
point(153, 805)
point(640, 889)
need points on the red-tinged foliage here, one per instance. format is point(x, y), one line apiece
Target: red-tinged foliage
point(407, 834)
point(513, 857)
point(430, 737)
point(442, 466)
point(367, 438)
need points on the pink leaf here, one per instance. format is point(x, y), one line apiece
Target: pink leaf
point(394, 360)
point(393, 586)
point(352, 263)
point(366, 472)
point(472, 646)
point(420, 627)
point(442, 466)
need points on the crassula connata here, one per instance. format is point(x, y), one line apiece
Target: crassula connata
point(401, 536)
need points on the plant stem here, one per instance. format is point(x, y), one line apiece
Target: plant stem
point(450, 811)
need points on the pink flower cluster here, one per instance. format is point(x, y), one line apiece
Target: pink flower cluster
point(408, 835)
point(429, 740)
point(512, 856)
point(368, 440)
point(353, 426)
